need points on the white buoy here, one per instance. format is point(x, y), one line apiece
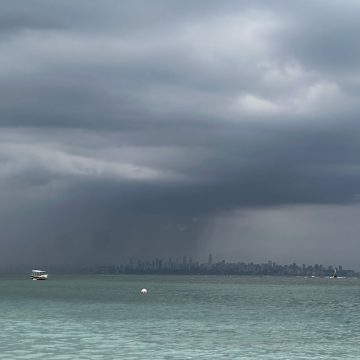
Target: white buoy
point(143, 291)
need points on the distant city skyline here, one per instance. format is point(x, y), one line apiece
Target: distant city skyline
point(187, 265)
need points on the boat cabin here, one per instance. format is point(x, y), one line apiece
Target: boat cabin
point(39, 275)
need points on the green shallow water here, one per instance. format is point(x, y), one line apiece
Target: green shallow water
point(105, 317)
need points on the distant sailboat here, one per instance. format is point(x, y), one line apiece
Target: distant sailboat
point(334, 276)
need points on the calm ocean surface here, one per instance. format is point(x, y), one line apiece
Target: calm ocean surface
point(105, 317)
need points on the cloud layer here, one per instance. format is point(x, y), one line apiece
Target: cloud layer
point(131, 128)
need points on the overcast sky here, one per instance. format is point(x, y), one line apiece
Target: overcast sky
point(171, 128)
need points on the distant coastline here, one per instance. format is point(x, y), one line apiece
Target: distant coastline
point(188, 267)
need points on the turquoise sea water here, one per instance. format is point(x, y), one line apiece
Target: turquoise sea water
point(105, 317)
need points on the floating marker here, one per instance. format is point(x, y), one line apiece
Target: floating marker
point(143, 291)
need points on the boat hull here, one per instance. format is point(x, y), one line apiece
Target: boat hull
point(39, 277)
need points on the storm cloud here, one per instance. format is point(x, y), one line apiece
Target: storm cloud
point(170, 128)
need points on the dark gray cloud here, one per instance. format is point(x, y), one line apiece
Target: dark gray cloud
point(135, 128)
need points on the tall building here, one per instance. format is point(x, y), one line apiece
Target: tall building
point(210, 260)
point(131, 263)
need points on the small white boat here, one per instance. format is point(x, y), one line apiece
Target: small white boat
point(39, 275)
